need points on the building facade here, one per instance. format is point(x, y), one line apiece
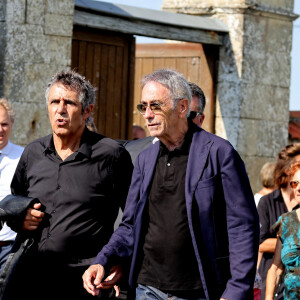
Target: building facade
point(253, 68)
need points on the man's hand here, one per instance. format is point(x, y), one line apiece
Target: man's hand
point(33, 217)
point(93, 276)
point(112, 279)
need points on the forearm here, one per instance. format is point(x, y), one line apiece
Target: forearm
point(260, 255)
point(268, 245)
point(273, 278)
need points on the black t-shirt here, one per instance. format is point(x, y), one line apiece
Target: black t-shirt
point(169, 261)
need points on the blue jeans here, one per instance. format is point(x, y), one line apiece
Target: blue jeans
point(146, 292)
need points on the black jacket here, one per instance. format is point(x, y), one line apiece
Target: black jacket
point(13, 210)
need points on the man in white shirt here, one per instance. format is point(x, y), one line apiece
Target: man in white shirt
point(9, 158)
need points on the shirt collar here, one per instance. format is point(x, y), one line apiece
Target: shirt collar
point(84, 148)
point(6, 149)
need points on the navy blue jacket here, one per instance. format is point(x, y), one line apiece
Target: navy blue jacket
point(222, 217)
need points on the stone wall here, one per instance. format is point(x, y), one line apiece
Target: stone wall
point(35, 39)
point(252, 105)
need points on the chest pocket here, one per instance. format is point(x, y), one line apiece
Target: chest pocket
point(206, 191)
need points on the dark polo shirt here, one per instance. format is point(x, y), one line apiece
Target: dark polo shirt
point(169, 261)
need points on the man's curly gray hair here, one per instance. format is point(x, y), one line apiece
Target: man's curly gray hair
point(75, 82)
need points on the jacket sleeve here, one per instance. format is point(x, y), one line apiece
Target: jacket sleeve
point(13, 209)
point(242, 226)
point(121, 242)
point(121, 175)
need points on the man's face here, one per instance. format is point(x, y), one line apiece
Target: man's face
point(6, 125)
point(65, 111)
point(195, 107)
point(161, 123)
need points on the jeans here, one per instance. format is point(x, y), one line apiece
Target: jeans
point(144, 292)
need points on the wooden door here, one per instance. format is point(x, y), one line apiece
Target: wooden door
point(195, 61)
point(107, 60)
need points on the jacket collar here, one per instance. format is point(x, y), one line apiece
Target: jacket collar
point(199, 152)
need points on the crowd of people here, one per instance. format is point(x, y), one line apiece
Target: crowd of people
point(190, 226)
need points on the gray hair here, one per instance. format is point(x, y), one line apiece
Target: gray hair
point(197, 91)
point(174, 82)
point(77, 83)
point(8, 107)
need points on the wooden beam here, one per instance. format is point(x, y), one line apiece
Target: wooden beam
point(147, 28)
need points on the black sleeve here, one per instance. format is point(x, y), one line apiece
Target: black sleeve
point(264, 219)
point(19, 183)
point(122, 172)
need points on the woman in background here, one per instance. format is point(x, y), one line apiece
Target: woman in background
point(271, 207)
point(287, 252)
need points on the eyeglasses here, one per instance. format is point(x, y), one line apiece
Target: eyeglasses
point(294, 184)
point(154, 107)
point(194, 114)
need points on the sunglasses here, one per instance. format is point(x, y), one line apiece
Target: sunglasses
point(194, 114)
point(294, 184)
point(154, 107)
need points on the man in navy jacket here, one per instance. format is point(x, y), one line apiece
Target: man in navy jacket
point(190, 224)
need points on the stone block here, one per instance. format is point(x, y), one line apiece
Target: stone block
point(255, 30)
point(248, 137)
point(2, 35)
point(272, 137)
point(27, 82)
point(274, 69)
point(266, 102)
point(16, 11)
point(280, 101)
point(62, 7)
point(35, 12)
point(227, 128)
point(13, 81)
point(254, 101)
point(26, 43)
point(31, 122)
point(228, 99)
point(278, 36)
point(277, 5)
point(59, 50)
point(228, 68)
point(261, 138)
point(2, 11)
point(56, 24)
point(231, 54)
point(253, 166)
point(36, 78)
